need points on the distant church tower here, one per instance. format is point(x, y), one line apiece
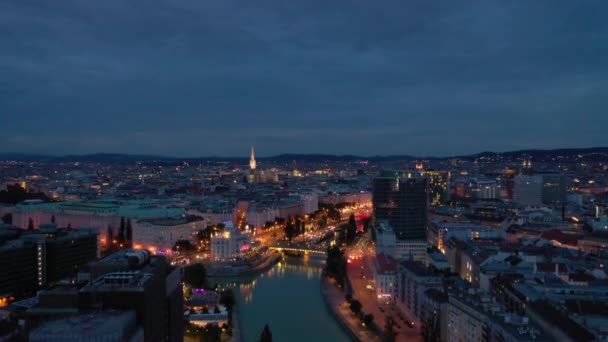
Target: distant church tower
point(252, 162)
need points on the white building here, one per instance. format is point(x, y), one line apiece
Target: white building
point(229, 243)
point(414, 278)
point(257, 216)
point(387, 243)
point(311, 202)
point(411, 250)
point(163, 233)
point(96, 214)
point(385, 276)
point(386, 240)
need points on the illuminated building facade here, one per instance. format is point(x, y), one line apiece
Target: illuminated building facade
point(438, 186)
point(30, 260)
point(162, 234)
point(230, 243)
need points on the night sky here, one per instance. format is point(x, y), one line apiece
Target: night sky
point(211, 77)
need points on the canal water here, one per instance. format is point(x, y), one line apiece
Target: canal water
point(288, 299)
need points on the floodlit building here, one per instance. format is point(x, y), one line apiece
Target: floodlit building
point(230, 243)
point(30, 260)
point(162, 234)
point(385, 276)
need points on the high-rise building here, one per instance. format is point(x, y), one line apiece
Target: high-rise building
point(134, 280)
point(528, 190)
point(140, 294)
point(438, 186)
point(540, 189)
point(33, 259)
point(401, 198)
point(554, 188)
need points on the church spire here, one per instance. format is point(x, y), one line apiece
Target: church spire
point(252, 162)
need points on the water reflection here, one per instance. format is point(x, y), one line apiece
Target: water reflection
point(287, 297)
point(311, 268)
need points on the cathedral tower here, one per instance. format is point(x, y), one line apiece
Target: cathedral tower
point(252, 162)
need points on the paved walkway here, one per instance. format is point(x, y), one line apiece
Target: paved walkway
point(337, 303)
point(237, 335)
point(364, 267)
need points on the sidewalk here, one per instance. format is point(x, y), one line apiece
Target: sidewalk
point(370, 303)
point(334, 298)
point(237, 335)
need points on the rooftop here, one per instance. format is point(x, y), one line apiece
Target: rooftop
point(91, 326)
point(385, 264)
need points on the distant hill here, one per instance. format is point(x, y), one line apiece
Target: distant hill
point(568, 154)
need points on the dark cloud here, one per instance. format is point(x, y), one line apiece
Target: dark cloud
point(190, 77)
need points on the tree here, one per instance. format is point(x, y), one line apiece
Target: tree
point(211, 333)
point(289, 229)
point(366, 224)
point(299, 227)
point(227, 299)
point(195, 275)
point(355, 307)
point(389, 331)
point(430, 329)
point(323, 222)
point(335, 266)
point(351, 229)
point(110, 235)
point(129, 232)
point(30, 224)
point(266, 335)
point(7, 218)
point(121, 231)
point(184, 246)
point(368, 320)
point(15, 193)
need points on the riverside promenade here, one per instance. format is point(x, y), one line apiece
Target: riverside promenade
point(237, 333)
point(336, 303)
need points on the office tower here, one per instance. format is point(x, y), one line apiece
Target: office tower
point(33, 259)
point(539, 189)
point(438, 186)
point(134, 280)
point(401, 198)
point(18, 276)
point(554, 189)
point(528, 190)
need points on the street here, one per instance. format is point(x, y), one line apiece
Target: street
point(360, 270)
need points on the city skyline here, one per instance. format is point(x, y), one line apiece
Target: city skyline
point(369, 79)
point(527, 154)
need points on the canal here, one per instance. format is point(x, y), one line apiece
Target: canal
point(288, 299)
